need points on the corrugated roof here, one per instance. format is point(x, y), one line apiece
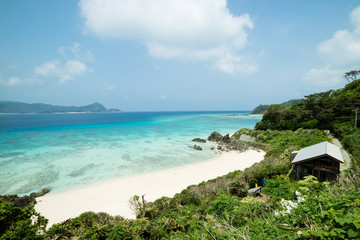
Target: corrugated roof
point(318, 150)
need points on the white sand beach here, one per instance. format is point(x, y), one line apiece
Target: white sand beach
point(112, 196)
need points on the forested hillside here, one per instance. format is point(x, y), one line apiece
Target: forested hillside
point(262, 108)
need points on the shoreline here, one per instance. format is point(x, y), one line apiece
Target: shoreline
point(112, 196)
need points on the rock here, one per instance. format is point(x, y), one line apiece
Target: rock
point(226, 138)
point(215, 136)
point(197, 147)
point(199, 140)
point(39, 194)
point(19, 201)
point(246, 138)
point(24, 201)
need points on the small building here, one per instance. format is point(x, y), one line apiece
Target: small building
point(321, 160)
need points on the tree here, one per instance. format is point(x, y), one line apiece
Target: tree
point(352, 75)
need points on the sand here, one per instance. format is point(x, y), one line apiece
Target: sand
point(112, 196)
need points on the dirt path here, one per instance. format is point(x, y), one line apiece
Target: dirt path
point(345, 155)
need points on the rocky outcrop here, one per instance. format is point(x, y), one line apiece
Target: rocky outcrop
point(215, 136)
point(227, 143)
point(39, 194)
point(247, 138)
point(197, 147)
point(25, 200)
point(200, 140)
point(19, 201)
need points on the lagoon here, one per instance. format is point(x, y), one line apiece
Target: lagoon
point(66, 151)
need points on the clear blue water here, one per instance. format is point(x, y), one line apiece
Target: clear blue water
point(65, 151)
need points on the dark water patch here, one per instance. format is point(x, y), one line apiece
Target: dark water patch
point(12, 140)
point(11, 154)
point(38, 181)
point(81, 171)
point(126, 157)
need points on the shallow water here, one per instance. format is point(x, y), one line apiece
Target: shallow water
point(65, 151)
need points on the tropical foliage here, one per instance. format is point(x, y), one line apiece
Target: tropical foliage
point(320, 110)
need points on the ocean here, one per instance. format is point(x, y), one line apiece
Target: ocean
point(66, 151)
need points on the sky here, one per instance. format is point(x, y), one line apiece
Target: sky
point(175, 55)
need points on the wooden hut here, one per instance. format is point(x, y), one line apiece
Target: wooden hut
point(320, 160)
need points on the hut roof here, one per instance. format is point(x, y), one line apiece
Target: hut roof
point(319, 150)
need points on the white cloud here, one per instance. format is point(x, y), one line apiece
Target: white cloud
point(66, 72)
point(341, 54)
point(16, 81)
point(183, 29)
point(344, 46)
point(234, 64)
point(74, 51)
point(10, 82)
point(73, 67)
point(323, 76)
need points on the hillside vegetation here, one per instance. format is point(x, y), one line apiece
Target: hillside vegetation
point(262, 108)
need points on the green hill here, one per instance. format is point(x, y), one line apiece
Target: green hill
point(19, 107)
point(320, 110)
point(262, 108)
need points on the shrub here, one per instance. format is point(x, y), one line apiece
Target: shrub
point(20, 223)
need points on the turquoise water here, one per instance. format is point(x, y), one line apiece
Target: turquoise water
point(65, 151)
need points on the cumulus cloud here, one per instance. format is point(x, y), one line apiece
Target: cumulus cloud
point(65, 72)
point(75, 51)
point(71, 68)
point(183, 29)
point(234, 64)
point(341, 53)
point(16, 81)
point(10, 82)
point(344, 46)
point(323, 76)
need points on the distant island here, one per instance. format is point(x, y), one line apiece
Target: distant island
point(20, 107)
point(262, 108)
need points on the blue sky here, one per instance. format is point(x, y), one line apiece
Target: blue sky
point(162, 55)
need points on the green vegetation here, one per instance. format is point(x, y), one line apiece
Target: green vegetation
point(321, 110)
point(262, 108)
point(20, 223)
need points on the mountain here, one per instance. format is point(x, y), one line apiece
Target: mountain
point(19, 107)
point(262, 108)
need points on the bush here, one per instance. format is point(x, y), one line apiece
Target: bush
point(20, 223)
